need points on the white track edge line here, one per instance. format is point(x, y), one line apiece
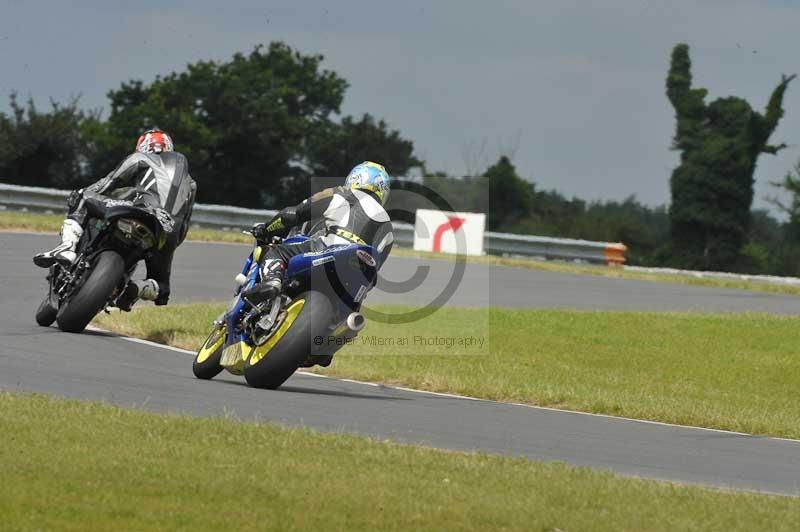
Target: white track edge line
point(464, 397)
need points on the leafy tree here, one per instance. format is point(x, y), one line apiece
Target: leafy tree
point(242, 123)
point(465, 194)
point(255, 128)
point(712, 188)
point(786, 247)
point(334, 148)
point(510, 196)
point(41, 148)
point(500, 193)
point(791, 185)
point(768, 250)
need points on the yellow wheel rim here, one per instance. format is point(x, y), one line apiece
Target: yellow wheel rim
point(262, 350)
point(213, 342)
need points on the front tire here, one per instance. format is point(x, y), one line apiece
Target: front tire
point(105, 276)
point(206, 362)
point(46, 313)
point(270, 365)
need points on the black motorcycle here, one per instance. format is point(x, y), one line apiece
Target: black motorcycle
point(118, 235)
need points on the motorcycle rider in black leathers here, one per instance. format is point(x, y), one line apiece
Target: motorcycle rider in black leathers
point(352, 214)
point(154, 176)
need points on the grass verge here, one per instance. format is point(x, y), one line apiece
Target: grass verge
point(737, 372)
point(69, 465)
point(49, 223)
point(24, 221)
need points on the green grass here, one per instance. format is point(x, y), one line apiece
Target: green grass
point(23, 221)
point(737, 372)
point(51, 223)
point(69, 465)
point(10, 221)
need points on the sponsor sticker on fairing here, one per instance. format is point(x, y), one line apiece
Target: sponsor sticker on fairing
point(362, 292)
point(323, 260)
point(329, 249)
point(366, 258)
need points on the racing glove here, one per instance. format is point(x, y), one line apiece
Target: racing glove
point(278, 226)
point(260, 232)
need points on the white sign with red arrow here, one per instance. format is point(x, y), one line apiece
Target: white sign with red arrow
point(449, 232)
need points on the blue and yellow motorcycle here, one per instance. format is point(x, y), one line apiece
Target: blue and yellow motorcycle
point(316, 313)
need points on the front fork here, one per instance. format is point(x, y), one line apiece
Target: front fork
point(52, 277)
point(62, 281)
point(246, 279)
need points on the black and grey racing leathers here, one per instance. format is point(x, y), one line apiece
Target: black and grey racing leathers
point(155, 180)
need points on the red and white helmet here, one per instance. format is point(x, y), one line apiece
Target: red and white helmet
point(154, 141)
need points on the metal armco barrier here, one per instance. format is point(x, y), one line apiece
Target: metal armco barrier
point(37, 199)
point(555, 248)
point(33, 198)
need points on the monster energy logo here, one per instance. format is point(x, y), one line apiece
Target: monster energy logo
point(275, 225)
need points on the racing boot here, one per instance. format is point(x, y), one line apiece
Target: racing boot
point(146, 289)
point(270, 285)
point(64, 253)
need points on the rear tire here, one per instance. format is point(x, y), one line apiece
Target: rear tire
point(294, 347)
point(75, 315)
point(46, 313)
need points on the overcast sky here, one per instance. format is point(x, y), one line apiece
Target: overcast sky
point(574, 89)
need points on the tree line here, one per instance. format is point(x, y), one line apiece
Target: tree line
point(769, 246)
point(258, 127)
point(254, 129)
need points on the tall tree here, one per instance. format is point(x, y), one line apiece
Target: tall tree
point(334, 148)
point(41, 148)
point(510, 196)
point(241, 123)
point(791, 185)
point(712, 188)
point(786, 252)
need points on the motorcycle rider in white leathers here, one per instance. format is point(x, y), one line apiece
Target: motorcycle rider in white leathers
point(352, 214)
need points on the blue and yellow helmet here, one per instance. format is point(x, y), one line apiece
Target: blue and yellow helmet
point(371, 177)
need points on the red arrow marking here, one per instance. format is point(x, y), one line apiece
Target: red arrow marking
point(452, 224)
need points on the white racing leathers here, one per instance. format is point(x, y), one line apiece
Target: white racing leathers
point(348, 216)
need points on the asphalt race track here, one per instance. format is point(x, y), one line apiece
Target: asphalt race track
point(98, 366)
point(204, 272)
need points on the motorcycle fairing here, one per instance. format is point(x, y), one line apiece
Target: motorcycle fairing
point(348, 276)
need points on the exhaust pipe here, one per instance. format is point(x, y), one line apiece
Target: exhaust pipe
point(356, 321)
